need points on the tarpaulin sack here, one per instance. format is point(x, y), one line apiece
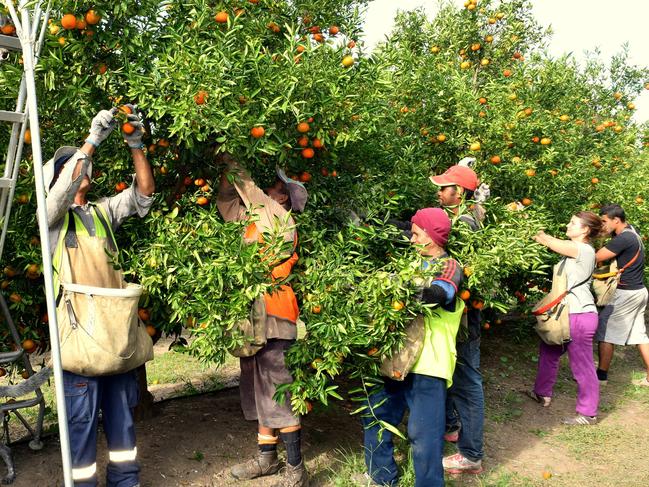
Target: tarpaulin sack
point(253, 329)
point(402, 358)
point(552, 313)
point(100, 331)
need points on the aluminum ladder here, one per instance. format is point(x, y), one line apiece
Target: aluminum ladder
point(30, 22)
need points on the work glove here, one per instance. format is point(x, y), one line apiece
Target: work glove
point(482, 193)
point(134, 139)
point(101, 126)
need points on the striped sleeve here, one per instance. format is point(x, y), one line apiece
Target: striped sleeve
point(451, 273)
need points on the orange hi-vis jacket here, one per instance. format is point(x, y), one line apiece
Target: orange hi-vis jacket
point(282, 302)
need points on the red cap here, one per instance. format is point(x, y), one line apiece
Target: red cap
point(457, 175)
point(435, 222)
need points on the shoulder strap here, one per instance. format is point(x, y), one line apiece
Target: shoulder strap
point(637, 254)
point(102, 217)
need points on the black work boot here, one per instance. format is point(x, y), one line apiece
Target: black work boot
point(265, 463)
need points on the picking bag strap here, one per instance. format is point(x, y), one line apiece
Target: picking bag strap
point(70, 238)
point(554, 302)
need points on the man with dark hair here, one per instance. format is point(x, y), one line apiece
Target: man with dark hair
point(622, 322)
point(465, 398)
point(240, 199)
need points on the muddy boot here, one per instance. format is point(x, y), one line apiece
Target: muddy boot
point(294, 476)
point(265, 463)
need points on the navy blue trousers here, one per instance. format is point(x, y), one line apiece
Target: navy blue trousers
point(425, 398)
point(115, 396)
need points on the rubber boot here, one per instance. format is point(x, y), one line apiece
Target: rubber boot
point(265, 463)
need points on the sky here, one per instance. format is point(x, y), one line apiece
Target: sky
point(577, 25)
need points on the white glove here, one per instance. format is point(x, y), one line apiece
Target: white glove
point(467, 161)
point(101, 127)
point(482, 193)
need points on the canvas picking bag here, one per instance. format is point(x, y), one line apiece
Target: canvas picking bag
point(552, 313)
point(607, 277)
point(253, 330)
point(97, 311)
point(402, 358)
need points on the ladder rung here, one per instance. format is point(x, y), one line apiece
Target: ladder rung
point(12, 116)
point(10, 42)
point(6, 183)
point(8, 357)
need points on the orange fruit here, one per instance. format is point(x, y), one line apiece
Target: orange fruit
point(546, 475)
point(305, 177)
point(441, 138)
point(8, 29)
point(316, 310)
point(465, 294)
point(482, 101)
point(10, 271)
point(352, 45)
point(308, 153)
point(477, 303)
point(200, 97)
point(205, 188)
point(507, 73)
point(530, 173)
point(199, 182)
point(150, 329)
point(309, 406)
point(324, 171)
point(222, 17)
point(69, 21)
point(15, 298)
point(303, 127)
point(334, 174)
point(92, 17)
point(121, 186)
point(257, 132)
point(81, 24)
point(372, 351)
point(475, 146)
point(526, 201)
point(594, 180)
point(496, 160)
point(102, 68)
point(546, 141)
point(144, 314)
point(202, 201)
point(188, 181)
point(397, 305)
point(24, 374)
point(273, 27)
point(348, 61)
point(486, 326)
point(29, 345)
point(318, 38)
point(127, 128)
point(303, 141)
point(317, 143)
point(333, 30)
point(300, 48)
point(3, 371)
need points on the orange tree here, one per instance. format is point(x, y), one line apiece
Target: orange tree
point(278, 82)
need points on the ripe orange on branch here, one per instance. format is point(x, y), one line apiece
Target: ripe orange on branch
point(303, 127)
point(308, 153)
point(257, 132)
point(222, 17)
point(69, 21)
point(92, 17)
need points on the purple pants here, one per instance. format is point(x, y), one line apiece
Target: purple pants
point(580, 356)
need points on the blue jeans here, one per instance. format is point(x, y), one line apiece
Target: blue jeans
point(465, 400)
point(425, 397)
point(115, 396)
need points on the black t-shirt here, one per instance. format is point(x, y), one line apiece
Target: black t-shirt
point(624, 246)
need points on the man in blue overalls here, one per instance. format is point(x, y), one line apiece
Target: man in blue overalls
point(90, 226)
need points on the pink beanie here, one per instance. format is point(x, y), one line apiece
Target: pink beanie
point(435, 223)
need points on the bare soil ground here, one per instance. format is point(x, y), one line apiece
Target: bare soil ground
point(193, 441)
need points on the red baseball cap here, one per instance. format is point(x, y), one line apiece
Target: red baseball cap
point(457, 175)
